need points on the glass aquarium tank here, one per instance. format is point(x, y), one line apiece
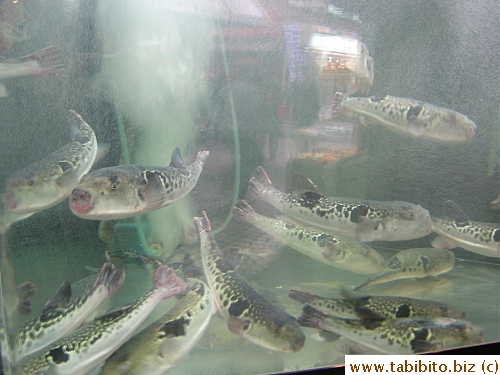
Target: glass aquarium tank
point(246, 187)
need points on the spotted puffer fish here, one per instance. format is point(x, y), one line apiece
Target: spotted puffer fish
point(413, 263)
point(65, 312)
point(246, 312)
point(43, 63)
point(397, 336)
point(85, 349)
point(377, 307)
point(161, 345)
point(327, 248)
point(50, 180)
point(131, 190)
point(409, 116)
point(363, 220)
point(459, 231)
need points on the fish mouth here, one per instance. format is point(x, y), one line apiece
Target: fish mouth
point(80, 201)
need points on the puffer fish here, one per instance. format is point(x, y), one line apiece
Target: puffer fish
point(43, 63)
point(458, 230)
point(409, 116)
point(377, 307)
point(131, 190)
point(165, 342)
point(246, 312)
point(413, 263)
point(65, 312)
point(397, 336)
point(363, 220)
point(50, 180)
point(85, 349)
point(327, 248)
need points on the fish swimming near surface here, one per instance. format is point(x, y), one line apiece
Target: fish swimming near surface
point(330, 249)
point(377, 307)
point(246, 312)
point(44, 63)
point(65, 312)
point(161, 345)
point(363, 220)
point(397, 336)
point(85, 349)
point(459, 231)
point(413, 263)
point(50, 180)
point(408, 116)
point(131, 190)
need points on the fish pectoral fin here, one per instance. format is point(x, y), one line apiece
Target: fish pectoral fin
point(442, 242)
point(60, 299)
point(416, 126)
point(366, 313)
point(365, 230)
point(237, 325)
point(154, 192)
point(422, 346)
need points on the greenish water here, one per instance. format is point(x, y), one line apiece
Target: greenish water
point(470, 286)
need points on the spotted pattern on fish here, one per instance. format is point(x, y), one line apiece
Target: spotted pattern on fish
point(377, 307)
point(483, 238)
point(359, 219)
point(413, 263)
point(409, 116)
point(163, 343)
point(247, 312)
point(397, 336)
point(55, 321)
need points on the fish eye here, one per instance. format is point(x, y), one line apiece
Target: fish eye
point(31, 182)
point(113, 187)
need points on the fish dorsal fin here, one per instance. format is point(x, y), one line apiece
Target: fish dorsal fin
point(233, 257)
point(302, 185)
point(177, 161)
point(455, 213)
point(153, 193)
point(365, 313)
point(60, 299)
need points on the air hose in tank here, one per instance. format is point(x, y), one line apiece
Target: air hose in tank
point(234, 122)
point(126, 158)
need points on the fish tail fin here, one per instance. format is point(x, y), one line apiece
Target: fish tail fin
point(242, 210)
point(110, 277)
point(337, 103)
point(202, 156)
point(166, 281)
point(258, 183)
point(48, 60)
point(302, 297)
point(204, 223)
point(311, 317)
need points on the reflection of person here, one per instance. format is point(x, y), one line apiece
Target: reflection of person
point(255, 117)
